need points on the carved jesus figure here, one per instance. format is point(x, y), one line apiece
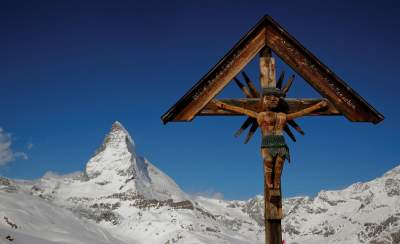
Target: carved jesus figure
point(274, 150)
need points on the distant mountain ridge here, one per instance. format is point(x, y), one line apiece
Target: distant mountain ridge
point(126, 198)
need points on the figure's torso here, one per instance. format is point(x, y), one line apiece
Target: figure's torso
point(271, 123)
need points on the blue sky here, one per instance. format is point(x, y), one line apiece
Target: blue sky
point(69, 69)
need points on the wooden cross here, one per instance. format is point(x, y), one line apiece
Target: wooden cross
point(269, 108)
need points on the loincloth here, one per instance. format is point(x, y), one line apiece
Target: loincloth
point(276, 145)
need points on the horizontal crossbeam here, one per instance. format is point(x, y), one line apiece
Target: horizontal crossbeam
point(294, 105)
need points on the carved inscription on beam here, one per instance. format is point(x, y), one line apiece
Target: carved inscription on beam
point(268, 33)
point(318, 75)
point(214, 81)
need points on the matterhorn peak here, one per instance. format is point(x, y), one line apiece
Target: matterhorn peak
point(118, 137)
point(118, 168)
point(115, 156)
point(117, 126)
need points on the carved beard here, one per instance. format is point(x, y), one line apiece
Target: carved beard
point(267, 107)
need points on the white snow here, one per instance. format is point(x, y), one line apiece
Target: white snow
point(116, 167)
point(36, 221)
point(122, 198)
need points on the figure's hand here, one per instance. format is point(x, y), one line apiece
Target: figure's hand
point(216, 103)
point(219, 104)
point(308, 110)
point(324, 104)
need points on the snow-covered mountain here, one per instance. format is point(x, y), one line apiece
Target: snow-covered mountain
point(122, 198)
point(128, 196)
point(30, 220)
point(116, 168)
point(362, 213)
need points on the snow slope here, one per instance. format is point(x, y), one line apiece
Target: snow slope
point(362, 213)
point(26, 219)
point(123, 194)
point(126, 194)
point(116, 167)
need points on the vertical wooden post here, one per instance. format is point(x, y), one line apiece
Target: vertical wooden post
point(267, 68)
point(272, 197)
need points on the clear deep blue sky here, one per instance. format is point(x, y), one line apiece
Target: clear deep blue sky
point(69, 69)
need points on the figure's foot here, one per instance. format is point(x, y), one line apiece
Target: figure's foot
point(277, 184)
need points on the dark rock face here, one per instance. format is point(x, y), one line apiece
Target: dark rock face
point(97, 214)
point(153, 203)
point(395, 237)
point(10, 223)
point(392, 187)
point(371, 230)
point(290, 229)
point(255, 209)
point(7, 185)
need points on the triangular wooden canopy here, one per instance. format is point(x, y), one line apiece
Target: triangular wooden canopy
point(268, 33)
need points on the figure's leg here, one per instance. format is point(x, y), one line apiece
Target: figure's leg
point(268, 166)
point(278, 167)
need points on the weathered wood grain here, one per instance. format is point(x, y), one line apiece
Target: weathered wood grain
point(252, 130)
point(288, 84)
point(244, 89)
point(280, 80)
point(309, 110)
point(294, 105)
point(268, 33)
point(217, 78)
point(319, 76)
point(244, 126)
point(250, 84)
point(289, 133)
point(234, 108)
point(267, 68)
point(296, 126)
point(265, 37)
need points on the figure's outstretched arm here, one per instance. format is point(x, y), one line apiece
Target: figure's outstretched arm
point(233, 108)
point(306, 111)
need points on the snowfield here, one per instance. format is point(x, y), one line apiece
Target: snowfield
point(27, 219)
point(121, 197)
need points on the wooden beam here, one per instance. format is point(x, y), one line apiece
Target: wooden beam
point(296, 126)
point(288, 84)
point(294, 105)
point(252, 130)
point(250, 84)
point(244, 126)
point(217, 78)
point(319, 76)
point(243, 88)
point(267, 68)
point(280, 80)
point(268, 33)
point(289, 132)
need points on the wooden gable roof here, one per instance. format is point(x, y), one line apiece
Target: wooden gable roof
point(269, 33)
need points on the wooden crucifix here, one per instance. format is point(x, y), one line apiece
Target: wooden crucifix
point(269, 108)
